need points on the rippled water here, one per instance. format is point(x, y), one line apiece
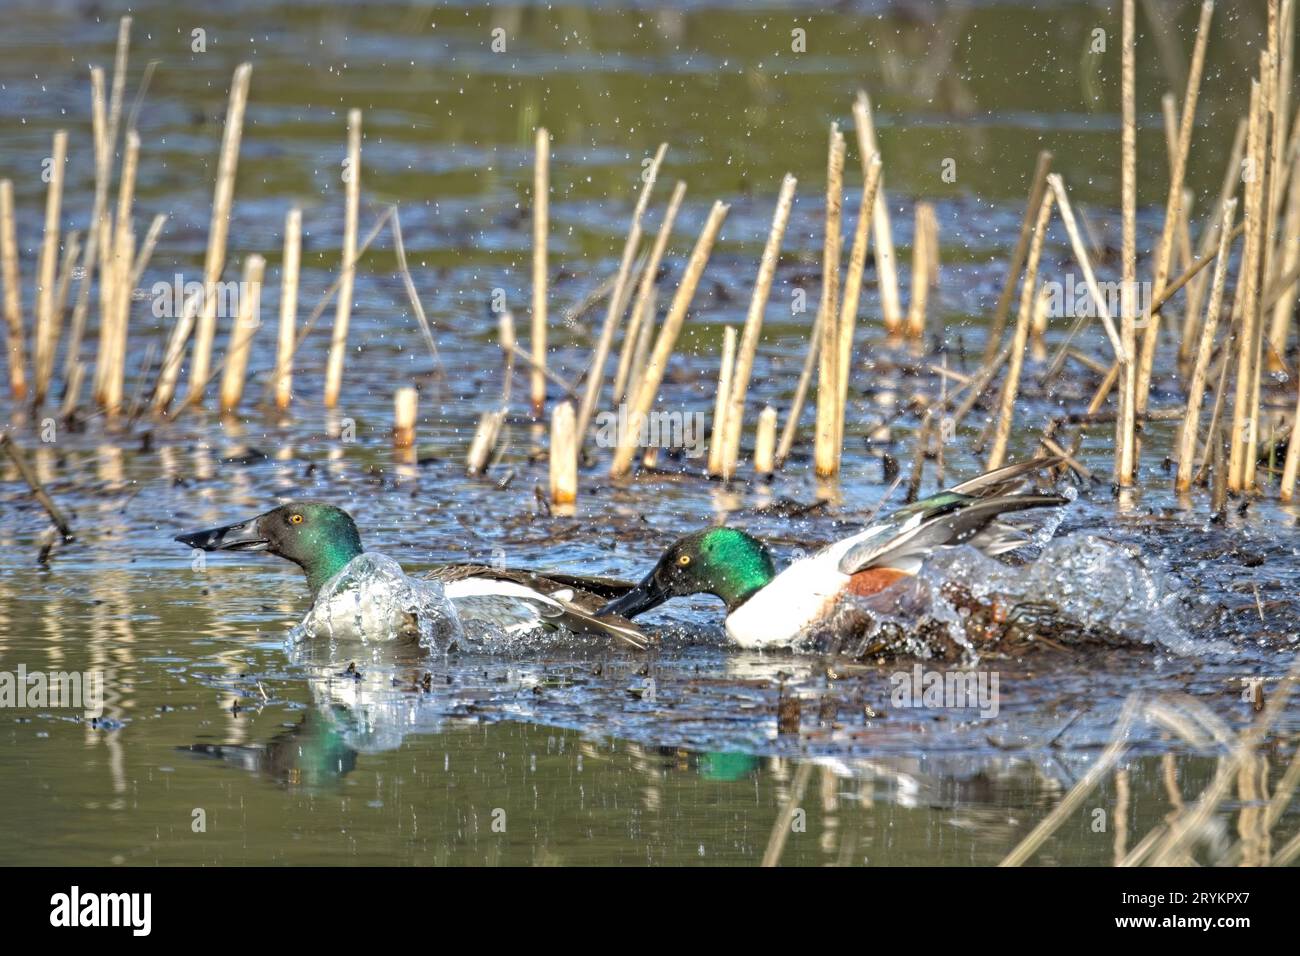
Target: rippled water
point(326, 752)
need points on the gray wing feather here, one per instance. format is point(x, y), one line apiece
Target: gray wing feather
point(952, 527)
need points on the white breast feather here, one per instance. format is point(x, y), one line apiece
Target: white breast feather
point(779, 613)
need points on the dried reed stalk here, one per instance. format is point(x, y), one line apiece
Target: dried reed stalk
point(617, 300)
point(1242, 448)
point(871, 168)
point(47, 332)
point(541, 229)
point(1126, 424)
point(765, 441)
point(735, 410)
point(343, 313)
point(1003, 308)
point(98, 227)
point(289, 270)
point(921, 269)
point(563, 455)
point(886, 261)
point(1029, 291)
point(726, 372)
point(826, 453)
point(117, 317)
point(1196, 390)
point(205, 309)
point(1173, 207)
point(15, 349)
point(242, 331)
point(1209, 238)
point(642, 314)
point(117, 265)
point(406, 409)
point(485, 439)
point(647, 388)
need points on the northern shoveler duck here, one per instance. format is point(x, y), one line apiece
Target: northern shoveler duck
point(767, 609)
point(323, 540)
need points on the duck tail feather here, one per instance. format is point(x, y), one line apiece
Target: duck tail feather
point(581, 622)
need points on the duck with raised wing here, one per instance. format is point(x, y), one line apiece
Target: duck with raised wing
point(767, 609)
point(323, 540)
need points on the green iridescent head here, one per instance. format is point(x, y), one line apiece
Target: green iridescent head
point(317, 537)
point(724, 562)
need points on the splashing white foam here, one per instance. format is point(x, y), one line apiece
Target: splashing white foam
point(373, 600)
point(1089, 581)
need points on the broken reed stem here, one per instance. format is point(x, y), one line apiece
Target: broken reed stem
point(886, 260)
point(506, 331)
point(641, 314)
point(826, 451)
point(47, 333)
point(1242, 451)
point(288, 307)
point(1125, 425)
point(735, 409)
point(15, 351)
point(922, 269)
point(1173, 209)
point(343, 314)
point(72, 390)
point(242, 332)
point(205, 309)
point(563, 455)
point(541, 218)
point(1196, 390)
point(765, 442)
point(617, 299)
point(1029, 291)
point(485, 439)
point(406, 406)
point(1000, 313)
point(16, 455)
point(647, 387)
point(721, 401)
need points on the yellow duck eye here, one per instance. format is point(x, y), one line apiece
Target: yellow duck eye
point(684, 560)
point(295, 519)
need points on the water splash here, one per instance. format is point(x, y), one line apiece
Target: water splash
point(1087, 581)
point(372, 600)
